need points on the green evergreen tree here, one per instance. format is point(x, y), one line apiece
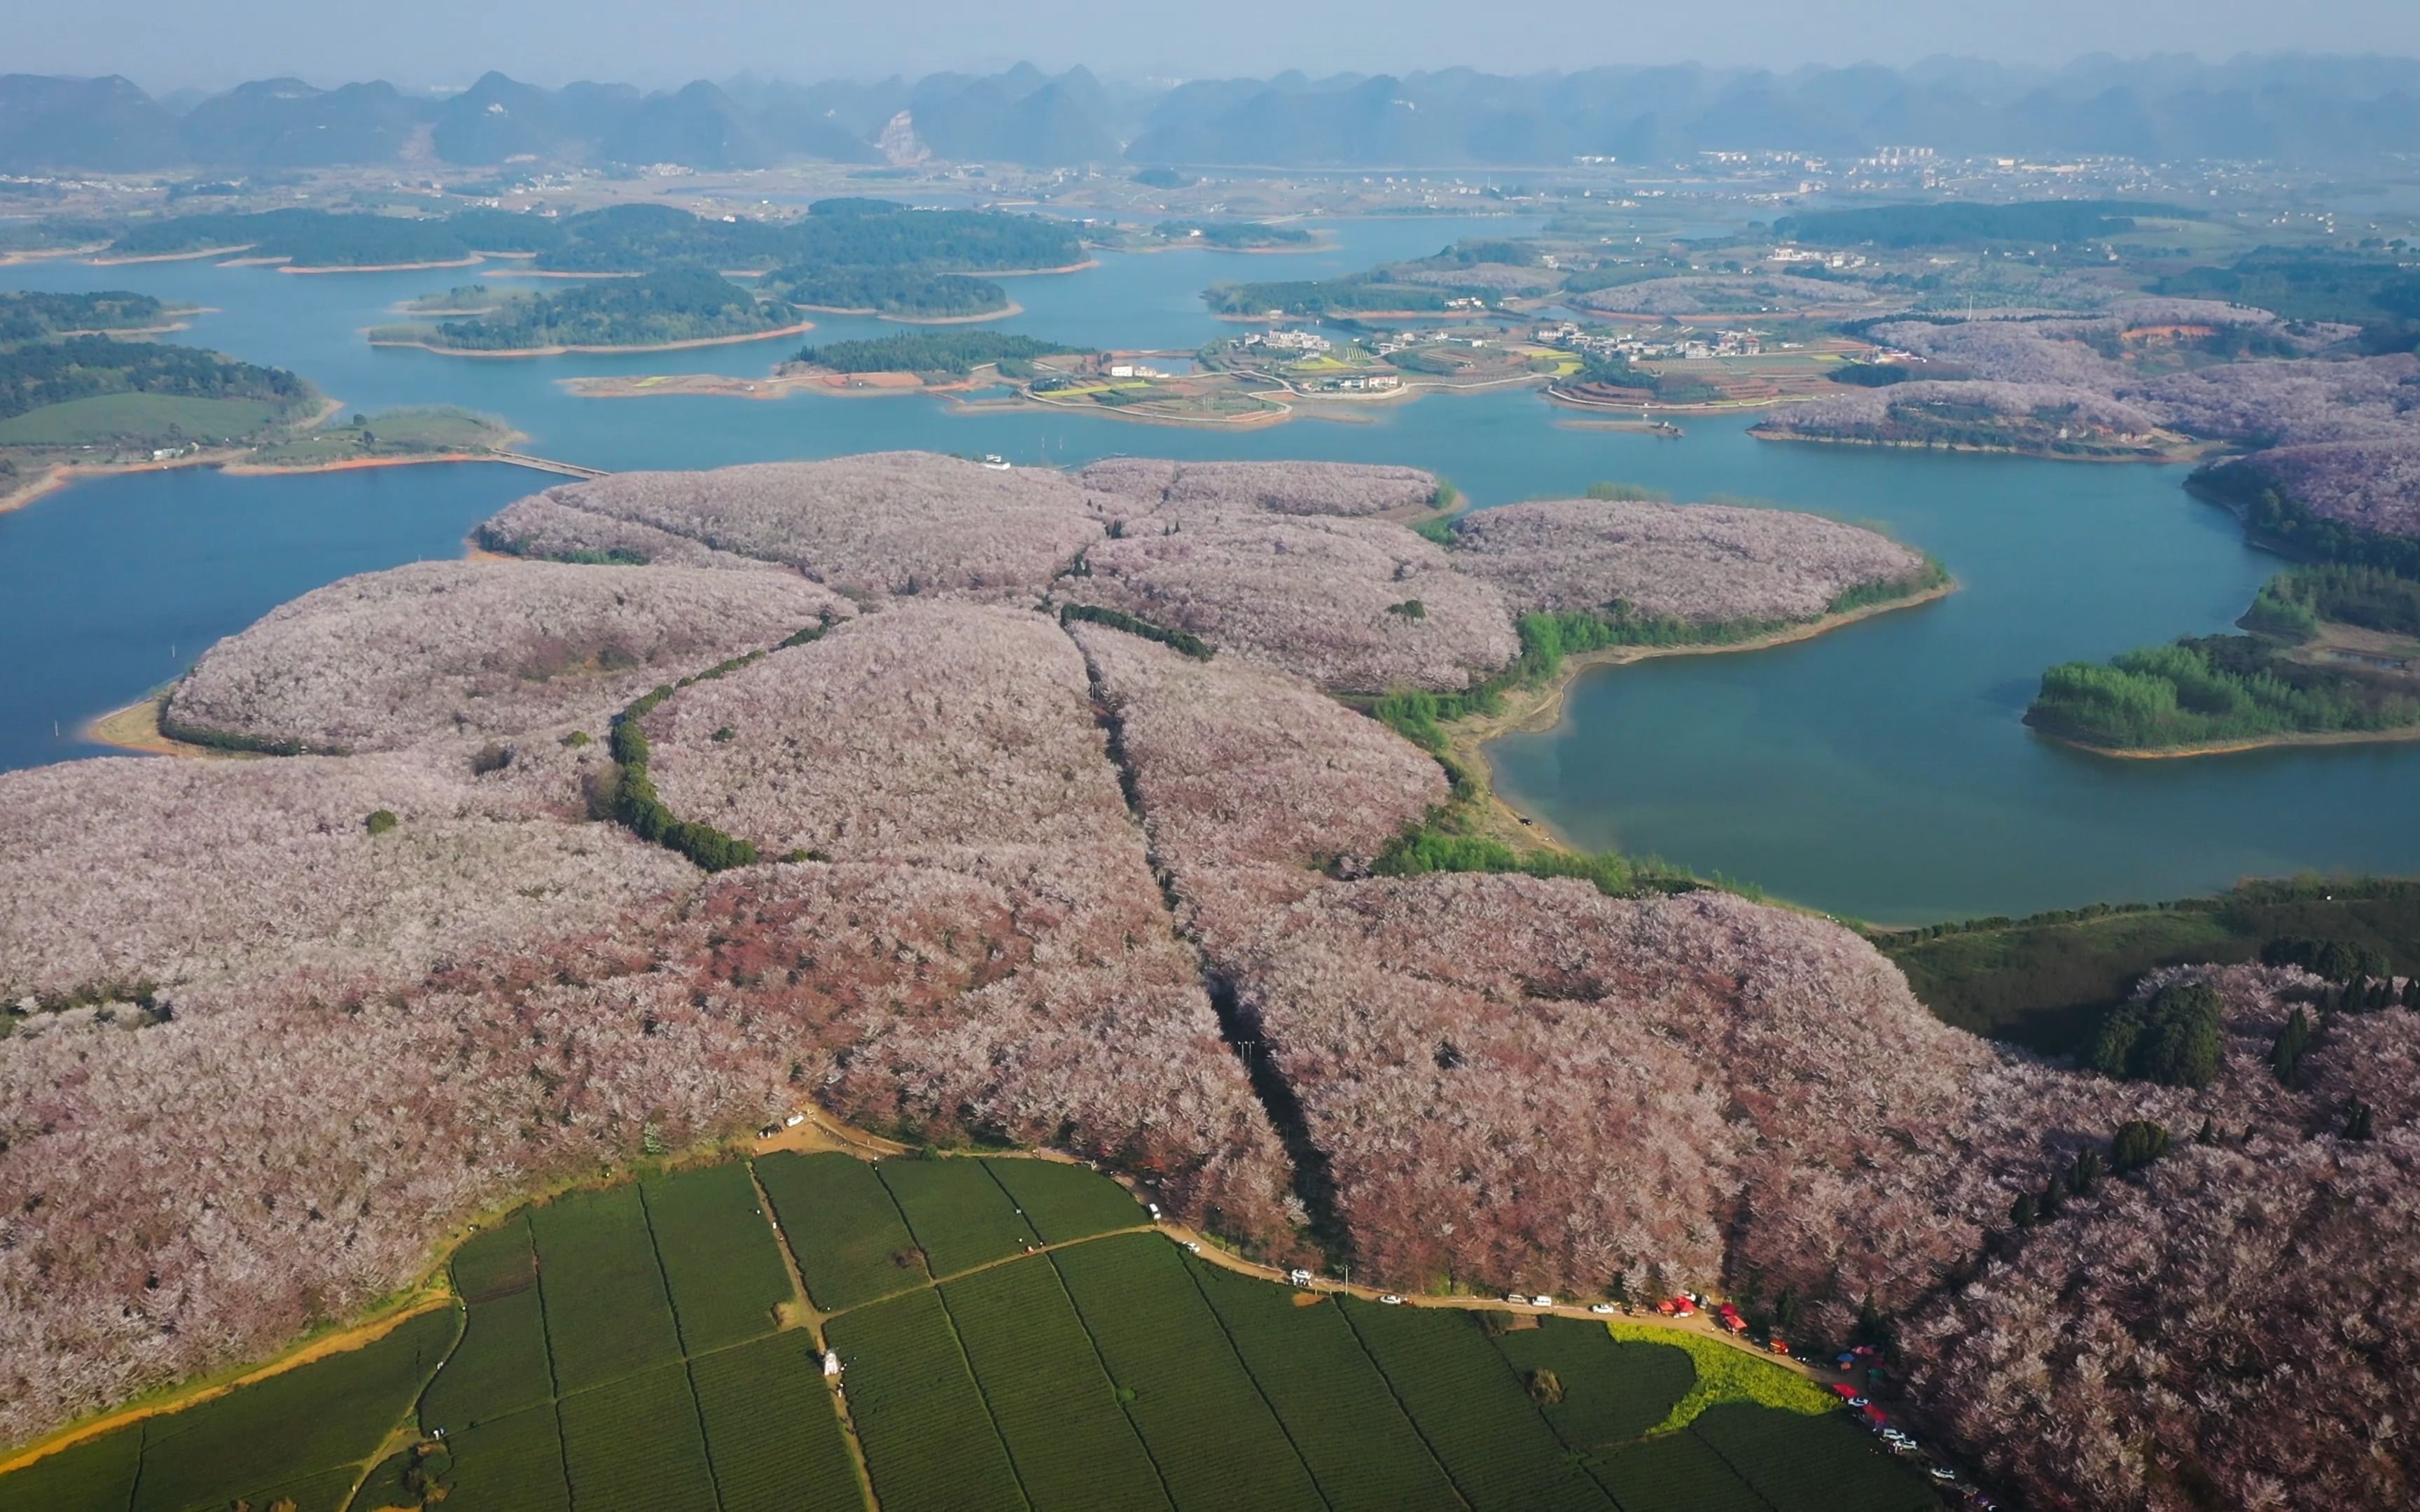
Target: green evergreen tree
point(2286, 1056)
point(2358, 1118)
point(2021, 1212)
point(2139, 1142)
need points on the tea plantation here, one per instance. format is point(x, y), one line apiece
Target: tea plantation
point(1012, 1335)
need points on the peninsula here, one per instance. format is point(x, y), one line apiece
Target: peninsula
point(2332, 656)
point(662, 311)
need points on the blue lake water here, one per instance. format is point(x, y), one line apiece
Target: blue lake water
point(1880, 771)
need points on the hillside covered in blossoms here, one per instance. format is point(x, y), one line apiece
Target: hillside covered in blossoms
point(1043, 809)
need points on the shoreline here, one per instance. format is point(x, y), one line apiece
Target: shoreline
point(1264, 318)
point(778, 385)
point(1030, 272)
point(2288, 741)
point(2165, 455)
point(471, 261)
point(136, 729)
point(1321, 241)
point(800, 328)
point(65, 475)
point(166, 257)
point(1012, 308)
point(1531, 710)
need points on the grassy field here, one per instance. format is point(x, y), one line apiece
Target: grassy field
point(306, 1435)
point(929, 1440)
point(1064, 1202)
point(1340, 1411)
point(960, 1217)
point(1204, 1420)
point(770, 1429)
point(621, 1350)
point(842, 1225)
point(2047, 983)
point(636, 1445)
point(1613, 1391)
point(719, 1258)
point(607, 1313)
point(148, 418)
point(1463, 1396)
point(512, 1464)
point(500, 1366)
point(1069, 1437)
point(393, 433)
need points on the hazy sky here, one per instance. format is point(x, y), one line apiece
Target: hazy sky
point(166, 43)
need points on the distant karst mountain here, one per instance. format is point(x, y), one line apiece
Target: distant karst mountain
point(2289, 109)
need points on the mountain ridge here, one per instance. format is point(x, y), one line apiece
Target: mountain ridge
point(2288, 108)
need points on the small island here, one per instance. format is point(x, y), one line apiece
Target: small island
point(1231, 235)
point(30, 315)
point(461, 301)
point(673, 307)
point(2332, 655)
point(911, 295)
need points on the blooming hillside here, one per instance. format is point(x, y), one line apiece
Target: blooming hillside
point(1704, 563)
point(479, 649)
point(1355, 606)
point(922, 725)
point(1343, 489)
point(272, 1030)
point(888, 523)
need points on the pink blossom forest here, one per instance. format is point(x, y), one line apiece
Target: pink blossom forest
point(288, 1018)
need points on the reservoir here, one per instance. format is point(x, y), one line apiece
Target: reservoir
point(1879, 772)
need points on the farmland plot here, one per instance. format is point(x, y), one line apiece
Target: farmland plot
point(333, 1413)
point(327, 1491)
point(98, 1473)
point(720, 1264)
point(1612, 1392)
point(1063, 1201)
point(1674, 1470)
point(1810, 1464)
point(500, 1367)
point(770, 1431)
point(512, 1464)
point(495, 1261)
point(1209, 1430)
point(1471, 1409)
point(1343, 1418)
point(842, 1226)
point(929, 1442)
point(960, 1216)
point(634, 1445)
point(1069, 1438)
point(606, 1311)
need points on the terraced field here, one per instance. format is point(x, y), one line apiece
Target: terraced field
point(642, 1346)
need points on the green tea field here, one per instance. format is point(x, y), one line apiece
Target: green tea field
point(1008, 1333)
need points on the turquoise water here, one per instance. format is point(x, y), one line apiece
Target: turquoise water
point(1880, 771)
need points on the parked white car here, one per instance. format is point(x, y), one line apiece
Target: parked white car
point(1542, 1301)
point(1391, 1299)
point(1603, 1308)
